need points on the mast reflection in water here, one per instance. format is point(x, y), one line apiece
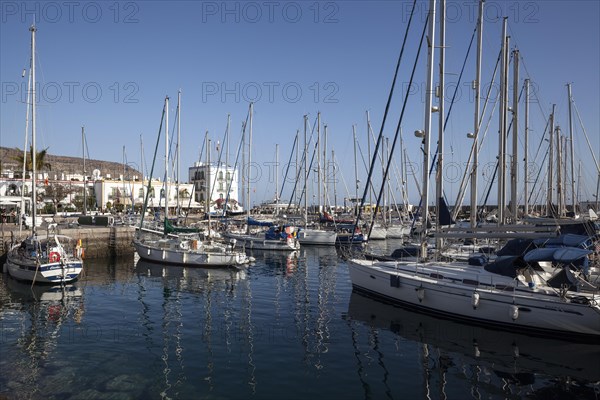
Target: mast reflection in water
point(285, 327)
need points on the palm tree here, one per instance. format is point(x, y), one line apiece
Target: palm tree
point(40, 159)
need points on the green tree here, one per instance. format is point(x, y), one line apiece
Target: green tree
point(40, 159)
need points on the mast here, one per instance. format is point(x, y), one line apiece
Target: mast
point(249, 163)
point(22, 209)
point(319, 161)
point(84, 172)
point(166, 183)
point(439, 185)
point(550, 163)
point(559, 178)
point(333, 166)
point(427, 132)
point(210, 180)
point(526, 152)
point(276, 179)
point(369, 156)
point(515, 138)
point(305, 173)
point(502, 125)
point(355, 168)
point(124, 172)
point(325, 168)
point(573, 198)
point(178, 148)
point(142, 162)
point(33, 29)
point(477, 87)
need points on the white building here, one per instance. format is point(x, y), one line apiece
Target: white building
point(213, 182)
point(126, 193)
point(108, 193)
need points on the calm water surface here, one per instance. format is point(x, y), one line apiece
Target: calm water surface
point(287, 327)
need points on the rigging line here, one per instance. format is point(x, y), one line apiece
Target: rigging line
point(508, 129)
point(538, 176)
point(362, 156)
point(463, 184)
point(586, 136)
point(385, 114)
point(152, 169)
point(300, 171)
point(214, 183)
point(447, 117)
point(288, 165)
point(239, 150)
point(398, 128)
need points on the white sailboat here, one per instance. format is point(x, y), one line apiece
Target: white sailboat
point(50, 258)
point(182, 249)
point(514, 292)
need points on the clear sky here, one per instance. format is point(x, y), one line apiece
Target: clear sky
point(109, 65)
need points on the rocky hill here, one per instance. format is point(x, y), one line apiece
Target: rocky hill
point(65, 165)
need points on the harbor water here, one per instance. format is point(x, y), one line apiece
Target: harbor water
point(288, 326)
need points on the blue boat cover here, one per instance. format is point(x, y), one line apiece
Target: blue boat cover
point(561, 254)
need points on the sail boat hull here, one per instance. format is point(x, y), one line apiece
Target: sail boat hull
point(316, 237)
point(471, 294)
point(24, 265)
point(169, 251)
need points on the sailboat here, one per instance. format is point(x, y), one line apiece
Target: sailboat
point(181, 248)
point(512, 292)
point(49, 258)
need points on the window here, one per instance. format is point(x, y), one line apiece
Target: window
point(228, 176)
point(152, 193)
point(141, 193)
point(221, 175)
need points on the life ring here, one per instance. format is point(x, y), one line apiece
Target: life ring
point(54, 257)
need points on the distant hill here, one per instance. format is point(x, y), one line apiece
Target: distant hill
point(66, 165)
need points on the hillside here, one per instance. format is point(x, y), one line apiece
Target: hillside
point(66, 165)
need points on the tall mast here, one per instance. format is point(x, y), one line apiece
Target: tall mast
point(477, 87)
point(559, 178)
point(124, 173)
point(319, 161)
point(439, 185)
point(573, 198)
point(333, 164)
point(502, 125)
point(84, 172)
point(325, 167)
point(355, 168)
point(367, 184)
point(166, 183)
point(142, 161)
point(249, 163)
point(563, 147)
point(276, 179)
point(178, 148)
point(305, 173)
point(550, 163)
point(209, 179)
point(526, 152)
point(515, 138)
point(33, 148)
point(427, 132)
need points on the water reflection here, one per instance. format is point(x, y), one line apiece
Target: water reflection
point(487, 360)
point(37, 321)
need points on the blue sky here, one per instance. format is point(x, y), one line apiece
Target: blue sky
point(108, 66)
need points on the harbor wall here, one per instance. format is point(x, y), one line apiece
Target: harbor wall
point(97, 242)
